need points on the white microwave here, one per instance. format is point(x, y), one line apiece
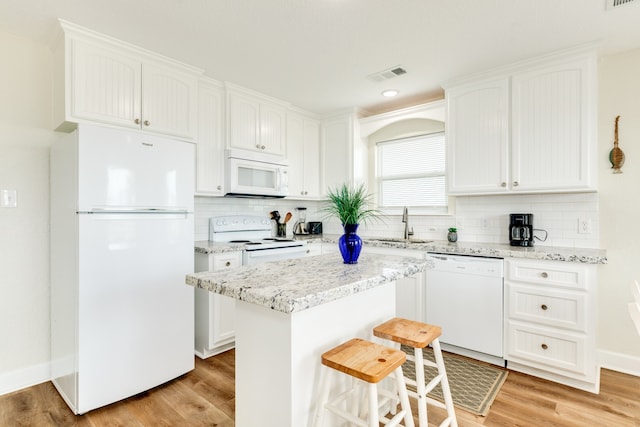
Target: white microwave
point(250, 176)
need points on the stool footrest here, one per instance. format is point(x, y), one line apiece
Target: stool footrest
point(433, 383)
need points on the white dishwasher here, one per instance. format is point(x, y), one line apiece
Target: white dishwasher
point(464, 296)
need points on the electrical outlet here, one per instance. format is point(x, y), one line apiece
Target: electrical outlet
point(584, 226)
point(8, 199)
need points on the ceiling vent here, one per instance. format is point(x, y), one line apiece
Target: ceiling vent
point(388, 74)
point(612, 4)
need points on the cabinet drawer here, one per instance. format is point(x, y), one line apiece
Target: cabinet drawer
point(225, 261)
point(547, 306)
point(554, 351)
point(550, 273)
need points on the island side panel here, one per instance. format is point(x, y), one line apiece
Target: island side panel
point(278, 354)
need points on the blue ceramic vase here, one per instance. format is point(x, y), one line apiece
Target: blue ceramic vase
point(350, 244)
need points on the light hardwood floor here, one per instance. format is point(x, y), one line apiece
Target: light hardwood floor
point(205, 397)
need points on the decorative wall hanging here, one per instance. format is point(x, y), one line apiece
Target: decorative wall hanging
point(616, 156)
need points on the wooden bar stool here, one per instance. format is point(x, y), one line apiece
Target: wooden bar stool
point(419, 335)
point(371, 363)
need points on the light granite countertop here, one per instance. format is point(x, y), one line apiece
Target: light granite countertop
point(495, 250)
point(298, 284)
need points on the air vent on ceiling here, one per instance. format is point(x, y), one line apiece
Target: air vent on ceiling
point(387, 74)
point(612, 4)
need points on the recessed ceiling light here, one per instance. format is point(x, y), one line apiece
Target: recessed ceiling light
point(389, 93)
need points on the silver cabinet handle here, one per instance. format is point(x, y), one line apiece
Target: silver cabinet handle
point(504, 184)
point(544, 307)
point(137, 121)
point(516, 183)
point(544, 275)
point(544, 346)
point(146, 123)
point(219, 187)
point(228, 264)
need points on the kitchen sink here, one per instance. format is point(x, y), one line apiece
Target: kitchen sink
point(392, 240)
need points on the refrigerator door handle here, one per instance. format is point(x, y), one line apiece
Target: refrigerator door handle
point(137, 210)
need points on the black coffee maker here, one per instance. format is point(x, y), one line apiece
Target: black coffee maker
point(521, 230)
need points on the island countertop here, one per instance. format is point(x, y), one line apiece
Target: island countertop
point(298, 284)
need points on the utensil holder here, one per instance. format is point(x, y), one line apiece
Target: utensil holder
point(281, 230)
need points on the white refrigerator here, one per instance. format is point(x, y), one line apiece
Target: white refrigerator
point(122, 232)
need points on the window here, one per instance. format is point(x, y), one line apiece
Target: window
point(411, 172)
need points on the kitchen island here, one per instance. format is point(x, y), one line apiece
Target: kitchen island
point(288, 313)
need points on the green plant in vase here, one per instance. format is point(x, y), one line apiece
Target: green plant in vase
point(351, 204)
point(452, 236)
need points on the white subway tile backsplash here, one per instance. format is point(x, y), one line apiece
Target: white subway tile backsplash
point(478, 218)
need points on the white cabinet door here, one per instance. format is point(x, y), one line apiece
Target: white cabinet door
point(256, 124)
point(105, 85)
point(551, 128)
point(214, 313)
point(337, 151)
point(210, 141)
point(477, 128)
point(272, 128)
point(243, 121)
point(169, 101)
point(303, 153)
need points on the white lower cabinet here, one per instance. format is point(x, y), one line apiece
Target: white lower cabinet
point(409, 290)
point(550, 321)
point(214, 313)
point(314, 249)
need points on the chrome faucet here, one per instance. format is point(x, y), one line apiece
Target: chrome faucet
point(405, 219)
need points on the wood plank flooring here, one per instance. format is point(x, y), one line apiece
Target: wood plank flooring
point(206, 397)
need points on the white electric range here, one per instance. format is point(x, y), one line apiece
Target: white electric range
point(255, 232)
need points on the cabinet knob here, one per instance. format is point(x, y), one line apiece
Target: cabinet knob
point(137, 121)
point(544, 275)
point(308, 251)
point(516, 183)
point(504, 184)
point(262, 147)
point(544, 346)
point(219, 187)
point(305, 193)
point(146, 123)
point(302, 193)
point(228, 264)
point(544, 307)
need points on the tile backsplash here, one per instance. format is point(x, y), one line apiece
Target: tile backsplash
point(478, 218)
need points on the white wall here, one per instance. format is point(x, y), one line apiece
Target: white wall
point(25, 137)
point(619, 94)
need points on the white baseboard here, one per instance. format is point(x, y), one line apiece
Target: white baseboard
point(25, 377)
point(619, 362)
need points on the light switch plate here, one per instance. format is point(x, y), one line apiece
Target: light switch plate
point(8, 199)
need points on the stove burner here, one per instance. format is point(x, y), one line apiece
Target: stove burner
point(238, 241)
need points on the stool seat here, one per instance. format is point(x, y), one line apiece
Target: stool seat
point(408, 332)
point(419, 335)
point(367, 364)
point(365, 360)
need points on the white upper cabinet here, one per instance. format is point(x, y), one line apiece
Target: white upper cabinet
point(303, 153)
point(477, 132)
point(100, 79)
point(210, 143)
point(526, 128)
point(255, 123)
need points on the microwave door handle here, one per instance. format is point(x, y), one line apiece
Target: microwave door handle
point(278, 179)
